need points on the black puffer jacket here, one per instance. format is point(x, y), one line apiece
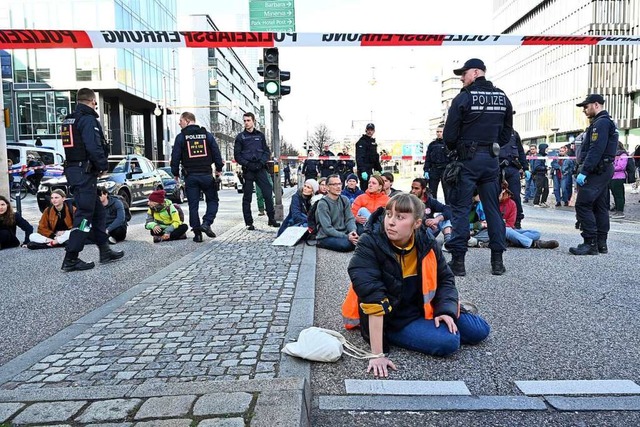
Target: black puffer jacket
point(376, 274)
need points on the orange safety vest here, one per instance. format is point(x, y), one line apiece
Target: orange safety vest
point(351, 316)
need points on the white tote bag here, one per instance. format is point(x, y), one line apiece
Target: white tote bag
point(324, 345)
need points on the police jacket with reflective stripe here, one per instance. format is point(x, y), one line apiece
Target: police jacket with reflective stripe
point(376, 274)
point(197, 150)
point(88, 138)
point(481, 113)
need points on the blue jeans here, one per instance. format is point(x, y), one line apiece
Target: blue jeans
point(423, 336)
point(530, 189)
point(562, 188)
point(339, 244)
point(524, 238)
point(441, 226)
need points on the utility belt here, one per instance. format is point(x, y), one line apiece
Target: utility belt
point(467, 150)
point(602, 166)
point(513, 163)
point(439, 166)
point(86, 166)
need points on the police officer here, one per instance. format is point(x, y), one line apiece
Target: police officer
point(197, 150)
point(478, 123)
point(251, 152)
point(435, 161)
point(345, 165)
point(367, 158)
point(310, 166)
point(327, 166)
point(595, 169)
point(86, 159)
point(513, 161)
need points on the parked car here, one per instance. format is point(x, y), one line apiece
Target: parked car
point(174, 187)
point(229, 179)
point(132, 177)
point(17, 152)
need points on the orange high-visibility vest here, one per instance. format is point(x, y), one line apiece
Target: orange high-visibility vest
point(351, 316)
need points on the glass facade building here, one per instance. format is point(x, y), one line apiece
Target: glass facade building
point(545, 83)
point(40, 85)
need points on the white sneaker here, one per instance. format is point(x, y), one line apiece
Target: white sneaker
point(472, 242)
point(543, 205)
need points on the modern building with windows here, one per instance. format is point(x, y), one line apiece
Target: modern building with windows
point(545, 83)
point(217, 87)
point(40, 85)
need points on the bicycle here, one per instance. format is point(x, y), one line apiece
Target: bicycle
point(20, 189)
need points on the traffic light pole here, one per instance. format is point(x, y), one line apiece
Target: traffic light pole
point(275, 143)
point(4, 176)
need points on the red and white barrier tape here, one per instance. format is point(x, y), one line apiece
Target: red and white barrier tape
point(49, 39)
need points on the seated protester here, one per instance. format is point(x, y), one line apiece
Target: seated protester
point(435, 224)
point(323, 190)
point(9, 221)
point(479, 235)
point(300, 205)
point(388, 189)
point(520, 237)
point(163, 220)
point(55, 224)
point(364, 205)
point(407, 295)
point(352, 190)
point(337, 226)
point(115, 218)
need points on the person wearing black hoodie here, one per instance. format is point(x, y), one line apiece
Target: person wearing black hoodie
point(540, 177)
point(407, 295)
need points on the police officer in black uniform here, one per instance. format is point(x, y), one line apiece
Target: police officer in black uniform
point(367, 158)
point(595, 169)
point(478, 124)
point(251, 152)
point(435, 161)
point(197, 150)
point(86, 158)
point(513, 161)
point(310, 166)
point(327, 166)
point(345, 165)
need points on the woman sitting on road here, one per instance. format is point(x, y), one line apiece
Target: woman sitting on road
point(163, 220)
point(55, 224)
point(406, 293)
point(300, 205)
point(9, 221)
point(367, 203)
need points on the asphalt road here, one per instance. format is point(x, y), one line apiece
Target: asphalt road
point(553, 316)
point(37, 299)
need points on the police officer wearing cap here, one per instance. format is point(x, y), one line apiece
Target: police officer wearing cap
point(197, 150)
point(595, 169)
point(251, 151)
point(367, 158)
point(435, 161)
point(86, 159)
point(513, 162)
point(479, 122)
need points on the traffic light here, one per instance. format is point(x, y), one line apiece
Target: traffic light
point(273, 77)
point(421, 148)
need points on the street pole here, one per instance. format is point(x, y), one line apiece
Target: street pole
point(4, 176)
point(275, 143)
point(165, 122)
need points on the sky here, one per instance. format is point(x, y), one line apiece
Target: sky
point(397, 88)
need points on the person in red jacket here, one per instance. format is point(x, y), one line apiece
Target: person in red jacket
point(520, 237)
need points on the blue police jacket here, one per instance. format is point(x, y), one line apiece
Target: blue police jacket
point(600, 142)
point(89, 137)
point(513, 150)
point(480, 113)
point(437, 155)
point(251, 147)
point(197, 149)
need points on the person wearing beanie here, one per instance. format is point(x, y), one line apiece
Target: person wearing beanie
point(163, 219)
point(351, 190)
point(55, 224)
point(300, 205)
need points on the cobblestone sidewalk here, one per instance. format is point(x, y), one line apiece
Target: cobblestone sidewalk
point(221, 316)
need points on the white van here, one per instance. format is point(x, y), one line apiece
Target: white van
point(17, 152)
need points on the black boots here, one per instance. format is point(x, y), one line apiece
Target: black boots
point(602, 246)
point(274, 223)
point(197, 235)
point(589, 247)
point(206, 229)
point(108, 255)
point(457, 266)
point(72, 263)
point(545, 244)
point(497, 267)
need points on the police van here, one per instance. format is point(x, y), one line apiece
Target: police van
point(18, 152)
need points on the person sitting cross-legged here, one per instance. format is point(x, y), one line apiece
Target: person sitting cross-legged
point(163, 219)
point(300, 206)
point(435, 223)
point(337, 226)
point(55, 224)
point(115, 218)
point(520, 237)
point(365, 204)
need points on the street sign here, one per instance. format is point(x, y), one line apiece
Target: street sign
point(276, 16)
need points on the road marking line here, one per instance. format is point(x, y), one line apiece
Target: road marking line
point(431, 403)
point(396, 387)
point(570, 387)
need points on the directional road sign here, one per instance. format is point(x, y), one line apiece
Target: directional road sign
point(272, 15)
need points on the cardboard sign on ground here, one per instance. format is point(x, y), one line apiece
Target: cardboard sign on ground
point(290, 236)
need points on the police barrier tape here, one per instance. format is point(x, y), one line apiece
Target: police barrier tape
point(49, 39)
point(387, 158)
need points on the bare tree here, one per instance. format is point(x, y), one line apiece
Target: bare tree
point(287, 149)
point(320, 137)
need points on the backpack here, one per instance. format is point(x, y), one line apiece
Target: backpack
point(127, 210)
point(313, 226)
point(179, 210)
point(631, 170)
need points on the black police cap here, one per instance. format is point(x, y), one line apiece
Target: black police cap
point(371, 126)
point(590, 99)
point(472, 63)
